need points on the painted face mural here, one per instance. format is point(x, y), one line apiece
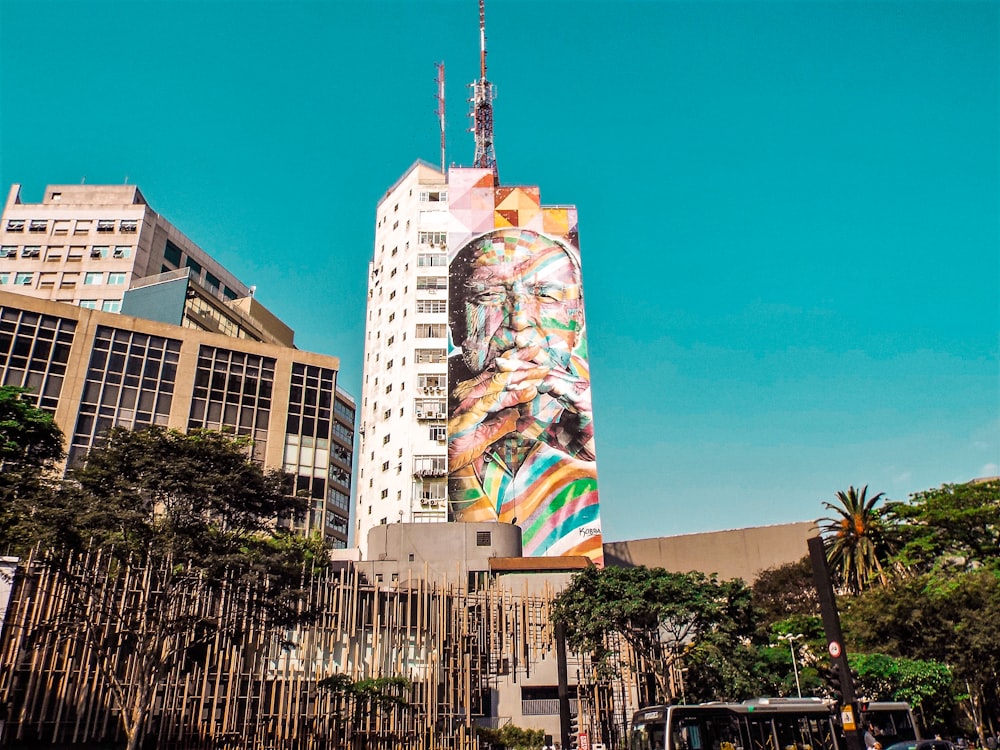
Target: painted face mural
point(520, 433)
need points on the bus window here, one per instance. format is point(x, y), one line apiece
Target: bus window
point(761, 733)
point(804, 733)
point(647, 736)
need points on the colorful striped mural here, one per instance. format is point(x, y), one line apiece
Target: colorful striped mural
point(520, 429)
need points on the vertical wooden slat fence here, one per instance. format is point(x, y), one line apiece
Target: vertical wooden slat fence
point(260, 691)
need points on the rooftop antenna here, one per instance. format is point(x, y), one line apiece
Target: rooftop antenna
point(440, 108)
point(482, 106)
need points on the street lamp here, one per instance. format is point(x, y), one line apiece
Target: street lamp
point(795, 668)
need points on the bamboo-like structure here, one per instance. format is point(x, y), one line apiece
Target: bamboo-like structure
point(64, 649)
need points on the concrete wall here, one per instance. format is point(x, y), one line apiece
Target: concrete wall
point(436, 551)
point(738, 553)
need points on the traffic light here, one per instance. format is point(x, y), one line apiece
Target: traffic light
point(574, 731)
point(836, 683)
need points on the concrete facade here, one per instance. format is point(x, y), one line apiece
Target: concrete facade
point(94, 370)
point(402, 453)
point(99, 230)
point(737, 553)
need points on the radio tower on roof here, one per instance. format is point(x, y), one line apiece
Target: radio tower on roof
point(482, 106)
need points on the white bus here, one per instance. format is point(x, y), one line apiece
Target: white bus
point(763, 724)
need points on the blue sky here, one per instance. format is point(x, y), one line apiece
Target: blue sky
point(788, 210)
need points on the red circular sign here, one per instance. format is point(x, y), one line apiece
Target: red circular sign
point(834, 649)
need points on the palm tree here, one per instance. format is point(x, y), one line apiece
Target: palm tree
point(855, 538)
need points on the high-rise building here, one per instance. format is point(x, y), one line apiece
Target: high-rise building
point(476, 392)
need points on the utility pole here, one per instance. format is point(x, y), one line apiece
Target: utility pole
point(841, 672)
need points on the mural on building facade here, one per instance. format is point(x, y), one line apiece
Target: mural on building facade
point(520, 428)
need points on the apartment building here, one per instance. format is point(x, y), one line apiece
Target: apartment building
point(470, 280)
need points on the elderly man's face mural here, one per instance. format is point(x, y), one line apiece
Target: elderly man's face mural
point(521, 304)
point(517, 312)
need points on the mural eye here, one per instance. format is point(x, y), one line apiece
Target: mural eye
point(490, 297)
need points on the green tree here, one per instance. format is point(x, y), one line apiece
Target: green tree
point(956, 526)
point(30, 446)
point(950, 620)
point(857, 545)
point(200, 519)
point(362, 701)
point(512, 737)
point(925, 685)
point(785, 591)
point(660, 615)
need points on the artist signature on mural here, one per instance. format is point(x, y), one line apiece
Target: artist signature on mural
point(589, 531)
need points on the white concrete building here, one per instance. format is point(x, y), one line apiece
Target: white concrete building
point(402, 454)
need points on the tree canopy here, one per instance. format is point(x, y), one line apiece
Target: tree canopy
point(660, 614)
point(857, 545)
point(30, 446)
point(954, 526)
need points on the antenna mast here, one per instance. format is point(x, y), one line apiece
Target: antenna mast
point(482, 106)
point(440, 108)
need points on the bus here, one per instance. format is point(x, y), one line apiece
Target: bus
point(763, 724)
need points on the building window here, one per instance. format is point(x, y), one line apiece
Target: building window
point(388, 388)
point(122, 251)
point(431, 330)
point(15, 225)
point(70, 279)
point(54, 254)
point(47, 280)
point(386, 414)
point(105, 225)
point(392, 317)
point(112, 305)
point(93, 277)
point(115, 278)
point(385, 494)
point(438, 432)
point(431, 492)
point(31, 251)
point(99, 251)
point(194, 265)
point(90, 304)
point(388, 341)
point(484, 538)
point(429, 356)
point(4, 277)
point(432, 383)
point(385, 466)
point(172, 254)
point(385, 440)
point(128, 226)
point(432, 259)
point(433, 196)
point(60, 226)
point(388, 365)
point(432, 283)
point(75, 253)
point(23, 279)
point(34, 352)
point(430, 408)
point(430, 466)
point(129, 382)
point(8, 251)
point(432, 238)
point(82, 226)
point(38, 225)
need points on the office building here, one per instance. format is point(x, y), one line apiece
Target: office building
point(95, 369)
point(471, 281)
point(87, 244)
